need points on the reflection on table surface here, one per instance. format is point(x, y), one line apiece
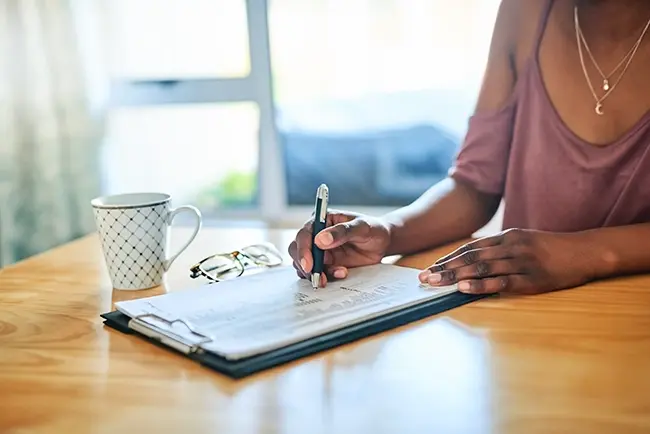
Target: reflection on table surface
point(571, 361)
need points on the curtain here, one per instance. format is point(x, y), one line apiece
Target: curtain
point(50, 134)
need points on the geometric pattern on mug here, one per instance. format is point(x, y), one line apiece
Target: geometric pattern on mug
point(133, 241)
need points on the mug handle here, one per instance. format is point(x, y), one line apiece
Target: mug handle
point(197, 227)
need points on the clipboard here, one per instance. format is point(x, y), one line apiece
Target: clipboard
point(245, 367)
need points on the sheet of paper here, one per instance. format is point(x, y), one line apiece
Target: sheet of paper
point(269, 310)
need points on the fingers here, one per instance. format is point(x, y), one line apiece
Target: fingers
point(299, 270)
point(342, 233)
point(478, 270)
point(481, 243)
point(300, 249)
point(514, 283)
point(492, 264)
point(334, 271)
point(331, 273)
point(487, 277)
point(337, 272)
point(465, 258)
point(343, 227)
point(485, 266)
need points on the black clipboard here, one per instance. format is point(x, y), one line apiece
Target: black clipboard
point(250, 365)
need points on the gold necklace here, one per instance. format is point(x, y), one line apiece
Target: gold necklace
point(627, 59)
point(593, 60)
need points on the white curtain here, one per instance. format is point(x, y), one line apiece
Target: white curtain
point(50, 131)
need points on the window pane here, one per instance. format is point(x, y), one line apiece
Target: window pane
point(162, 39)
point(382, 88)
point(204, 154)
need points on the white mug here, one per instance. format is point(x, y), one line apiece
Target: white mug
point(133, 231)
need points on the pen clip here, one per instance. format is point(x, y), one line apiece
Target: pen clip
point(323, 195)
point(323, 210)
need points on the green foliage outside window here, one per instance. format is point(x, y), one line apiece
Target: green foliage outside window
point(235, 190)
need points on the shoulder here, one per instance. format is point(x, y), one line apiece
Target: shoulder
point(516, 28)
point(522, 21)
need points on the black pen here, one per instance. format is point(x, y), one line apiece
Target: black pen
point(320, 222)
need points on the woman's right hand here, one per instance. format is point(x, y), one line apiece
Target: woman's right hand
point(349, 240)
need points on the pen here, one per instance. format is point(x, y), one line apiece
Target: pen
point(320, 220)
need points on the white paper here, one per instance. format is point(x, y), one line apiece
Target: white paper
point(269, 310)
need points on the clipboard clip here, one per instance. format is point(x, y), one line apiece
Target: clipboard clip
point(167, 337)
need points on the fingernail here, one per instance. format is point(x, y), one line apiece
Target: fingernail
point(303, 264)
point(424, 275)
point(325, 238)
point(435, 278)
point(339, 274)
point(464, 286)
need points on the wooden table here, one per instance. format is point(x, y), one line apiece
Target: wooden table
point(572, 361)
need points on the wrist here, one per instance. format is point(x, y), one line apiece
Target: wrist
point(393, 227)
point(598, 259)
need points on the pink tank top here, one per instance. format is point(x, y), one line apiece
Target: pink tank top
point(549, 178)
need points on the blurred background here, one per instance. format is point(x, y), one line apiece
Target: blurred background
point(239, 107)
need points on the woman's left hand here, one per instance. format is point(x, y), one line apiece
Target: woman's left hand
point(514, 261)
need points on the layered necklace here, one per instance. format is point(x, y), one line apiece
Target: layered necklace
point(625, 63)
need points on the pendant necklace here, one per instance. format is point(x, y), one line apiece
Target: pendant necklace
point(625, 62)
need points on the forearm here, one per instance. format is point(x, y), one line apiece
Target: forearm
point(450, 211)
point(617, 250)
point(447, 212)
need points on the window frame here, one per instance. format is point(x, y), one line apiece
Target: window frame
point(272, 208)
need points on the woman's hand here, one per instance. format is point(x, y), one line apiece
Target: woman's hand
point(515, 261)
point(349, 240)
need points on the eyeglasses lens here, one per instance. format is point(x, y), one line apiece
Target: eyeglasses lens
point(264, 254)
point(223, 267)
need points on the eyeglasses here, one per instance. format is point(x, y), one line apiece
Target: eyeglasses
point(224, 266)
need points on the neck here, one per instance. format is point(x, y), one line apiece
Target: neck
point(614, 19)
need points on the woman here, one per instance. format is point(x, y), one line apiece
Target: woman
point(561, 132)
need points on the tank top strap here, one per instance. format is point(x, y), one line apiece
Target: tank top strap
point(541, 26)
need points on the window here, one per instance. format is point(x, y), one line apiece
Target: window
point(163, 39)
point(191, 102)
point(205, 154)
point(243, 107)
point(374, 95)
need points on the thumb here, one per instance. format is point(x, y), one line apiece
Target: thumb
point(341, 233)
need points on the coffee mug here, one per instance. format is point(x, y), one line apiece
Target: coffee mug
point(133, 229)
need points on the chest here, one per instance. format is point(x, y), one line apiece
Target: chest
point(562, 184)
point(578, 91)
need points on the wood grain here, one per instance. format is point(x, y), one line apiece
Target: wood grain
point(572, 361)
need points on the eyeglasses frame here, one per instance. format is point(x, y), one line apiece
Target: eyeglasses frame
point(244, 259)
